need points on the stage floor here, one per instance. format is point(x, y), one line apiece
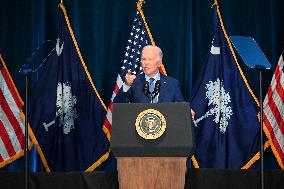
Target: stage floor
point(195, 179)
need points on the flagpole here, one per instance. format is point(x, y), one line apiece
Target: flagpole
point(26, 71)
point(26, 136)
point(261, 132)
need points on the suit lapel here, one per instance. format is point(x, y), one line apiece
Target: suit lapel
point(163, 88)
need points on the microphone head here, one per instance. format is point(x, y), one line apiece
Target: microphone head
point(146, 89)
point(157, 88)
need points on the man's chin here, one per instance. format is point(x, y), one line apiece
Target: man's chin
point(145, 72)
point(150, 74)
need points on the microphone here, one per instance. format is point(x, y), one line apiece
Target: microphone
point(146, 89)
point(157, 88)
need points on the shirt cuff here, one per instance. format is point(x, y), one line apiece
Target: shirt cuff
point(125, 87)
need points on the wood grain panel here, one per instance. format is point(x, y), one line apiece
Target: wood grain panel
point(151, 172)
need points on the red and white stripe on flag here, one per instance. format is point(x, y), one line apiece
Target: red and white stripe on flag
point(108, 119)
point(12, 137)
point(273, 111)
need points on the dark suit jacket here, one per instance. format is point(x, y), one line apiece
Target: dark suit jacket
point(169, 91)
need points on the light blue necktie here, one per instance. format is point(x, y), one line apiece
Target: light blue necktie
point(151, 84)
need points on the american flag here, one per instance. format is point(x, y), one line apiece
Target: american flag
point(140, 36)
point(12, 137)
point(273, 110)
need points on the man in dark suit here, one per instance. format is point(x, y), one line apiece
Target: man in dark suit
point(134, 90)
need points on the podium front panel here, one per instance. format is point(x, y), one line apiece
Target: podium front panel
point(176, 141)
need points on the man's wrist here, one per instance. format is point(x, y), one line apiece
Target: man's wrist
point(125, 87)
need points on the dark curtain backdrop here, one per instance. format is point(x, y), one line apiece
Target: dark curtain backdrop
point(182, 28)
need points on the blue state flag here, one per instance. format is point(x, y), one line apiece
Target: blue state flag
point(226, 125)
point(65, 110)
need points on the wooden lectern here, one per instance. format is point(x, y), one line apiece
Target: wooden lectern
point(152, 163)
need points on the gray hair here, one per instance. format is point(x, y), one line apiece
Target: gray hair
point(160, 52)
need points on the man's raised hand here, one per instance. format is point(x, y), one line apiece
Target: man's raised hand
point(129, 78)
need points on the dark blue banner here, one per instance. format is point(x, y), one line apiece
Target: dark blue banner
point(226, 124)
point(65, 112)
